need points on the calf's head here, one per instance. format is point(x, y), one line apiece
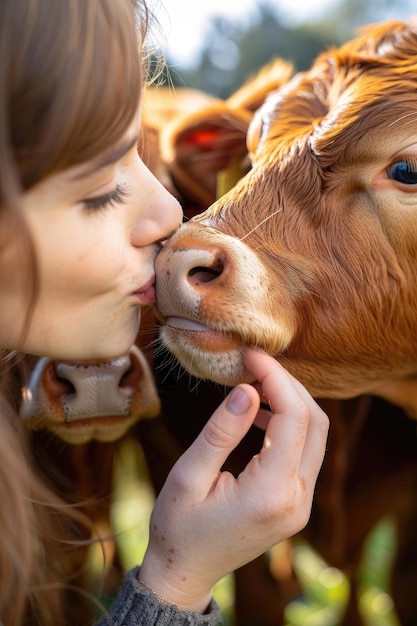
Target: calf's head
point(86, 400)
point(81, 401)
point(312, 255)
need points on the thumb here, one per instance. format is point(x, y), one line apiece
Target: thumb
point(222, 433)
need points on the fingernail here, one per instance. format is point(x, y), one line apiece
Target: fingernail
point(238, 401)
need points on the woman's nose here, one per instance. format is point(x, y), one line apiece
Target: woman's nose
point(161, 214)
point(173, 210)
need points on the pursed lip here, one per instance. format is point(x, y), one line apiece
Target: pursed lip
point(146, 293)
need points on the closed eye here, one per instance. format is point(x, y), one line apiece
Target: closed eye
point(117, 196)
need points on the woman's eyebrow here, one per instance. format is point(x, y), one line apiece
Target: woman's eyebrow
point(108, 159)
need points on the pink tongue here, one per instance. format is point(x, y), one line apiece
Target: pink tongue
point(180, 322)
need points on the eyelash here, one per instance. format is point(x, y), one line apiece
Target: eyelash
point(117, 196)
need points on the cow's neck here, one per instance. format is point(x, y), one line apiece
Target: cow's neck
point(402, 392)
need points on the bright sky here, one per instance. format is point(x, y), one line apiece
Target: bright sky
point(183, 21)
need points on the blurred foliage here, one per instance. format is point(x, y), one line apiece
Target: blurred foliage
point(233, 51)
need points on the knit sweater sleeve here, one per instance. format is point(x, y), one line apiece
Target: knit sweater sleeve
point(136, 605)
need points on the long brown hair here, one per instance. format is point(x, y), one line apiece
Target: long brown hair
point(70, 84)
point(34, 555)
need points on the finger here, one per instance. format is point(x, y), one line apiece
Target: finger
point(268, 372)
point(296, 433)
point(203, 460)
point(315, 444)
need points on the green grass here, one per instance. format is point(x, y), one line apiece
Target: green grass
point(325, 588)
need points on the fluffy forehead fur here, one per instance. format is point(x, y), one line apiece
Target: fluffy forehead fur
point(323, 134)
point(320, 123)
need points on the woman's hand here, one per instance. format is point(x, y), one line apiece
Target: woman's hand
point(207, 523)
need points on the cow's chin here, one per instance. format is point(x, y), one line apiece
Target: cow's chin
point(104, 429)
point(205, 353)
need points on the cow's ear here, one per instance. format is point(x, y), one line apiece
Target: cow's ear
point(203, 148)
point(205, 151)
point(253, 93)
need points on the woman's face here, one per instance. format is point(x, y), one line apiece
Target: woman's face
point(97, 228)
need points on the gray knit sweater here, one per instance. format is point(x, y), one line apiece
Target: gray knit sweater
point(137, 606)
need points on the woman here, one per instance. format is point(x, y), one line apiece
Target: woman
point(81, 222)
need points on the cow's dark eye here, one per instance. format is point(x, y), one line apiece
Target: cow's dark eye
point(403, 172)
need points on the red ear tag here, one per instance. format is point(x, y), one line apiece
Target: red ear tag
point(202, 137)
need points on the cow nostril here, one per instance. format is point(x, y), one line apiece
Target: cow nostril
point(132, 376)
point(199, 275)
point(60, 386)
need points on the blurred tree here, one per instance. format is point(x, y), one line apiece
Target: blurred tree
point(348, 15)
point(233, 51)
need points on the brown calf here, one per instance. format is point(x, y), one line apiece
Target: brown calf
point(313, 257)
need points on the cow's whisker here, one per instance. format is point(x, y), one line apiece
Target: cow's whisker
point(260, 224)
point(411, 115)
